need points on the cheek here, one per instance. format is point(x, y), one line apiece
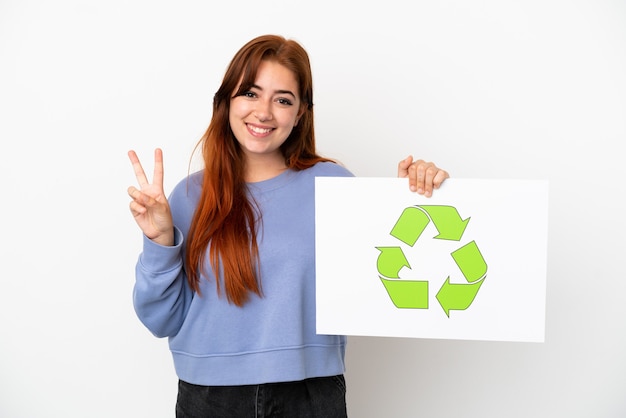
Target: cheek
point(289, 120)
point(238, 108)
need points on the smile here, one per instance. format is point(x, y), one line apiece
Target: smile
point(260, 131)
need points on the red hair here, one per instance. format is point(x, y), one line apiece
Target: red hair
point(226, 221)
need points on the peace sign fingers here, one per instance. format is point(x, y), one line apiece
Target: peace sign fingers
point(149, 205)
point(140, 173)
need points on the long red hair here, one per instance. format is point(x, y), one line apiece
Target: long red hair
point(226, 220)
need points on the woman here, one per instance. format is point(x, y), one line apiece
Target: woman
point(227, 270)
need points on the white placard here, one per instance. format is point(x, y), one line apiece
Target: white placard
point(468, 263)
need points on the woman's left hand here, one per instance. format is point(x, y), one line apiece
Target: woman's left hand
point(423, 176)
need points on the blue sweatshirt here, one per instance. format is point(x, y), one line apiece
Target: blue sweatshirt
point(271, 338)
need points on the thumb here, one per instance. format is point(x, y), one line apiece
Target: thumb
point(403, 166)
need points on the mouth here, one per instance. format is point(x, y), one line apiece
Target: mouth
point(257, 130)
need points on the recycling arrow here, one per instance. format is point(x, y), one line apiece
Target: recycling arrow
point(414, 219)
point(407, 293)
point(457, 296)
point(390, 261)
point(448, 222)
point(410, 225)
point(470, 261)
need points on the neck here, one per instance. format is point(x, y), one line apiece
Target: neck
point(259, 169)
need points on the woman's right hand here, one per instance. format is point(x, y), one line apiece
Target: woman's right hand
point(149, 205)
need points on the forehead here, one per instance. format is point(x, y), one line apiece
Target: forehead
point(272, 75)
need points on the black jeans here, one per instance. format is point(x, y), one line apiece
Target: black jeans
point(321, 397)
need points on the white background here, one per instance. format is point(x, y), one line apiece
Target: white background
point(487, 89)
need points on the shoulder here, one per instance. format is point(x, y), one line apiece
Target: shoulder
point(329, 169)
point(188, 188)
point(184, 199)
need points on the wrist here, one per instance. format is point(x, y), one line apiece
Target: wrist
point(165, 239)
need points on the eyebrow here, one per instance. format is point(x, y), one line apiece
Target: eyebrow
point(277, 91)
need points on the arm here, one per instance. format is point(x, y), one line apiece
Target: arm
point(161, 295)
point(423, 176)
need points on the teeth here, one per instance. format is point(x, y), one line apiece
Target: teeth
point(259, 130)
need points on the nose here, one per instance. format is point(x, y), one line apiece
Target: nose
point(263, 111)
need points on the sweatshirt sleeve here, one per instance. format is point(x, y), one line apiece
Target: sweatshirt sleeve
point(161, 295)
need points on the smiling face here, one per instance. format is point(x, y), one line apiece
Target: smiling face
point(264, 115)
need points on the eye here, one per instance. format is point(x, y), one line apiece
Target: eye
point(249, 93)
point(284, 101)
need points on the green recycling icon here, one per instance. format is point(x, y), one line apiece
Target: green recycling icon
point(413, 294)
